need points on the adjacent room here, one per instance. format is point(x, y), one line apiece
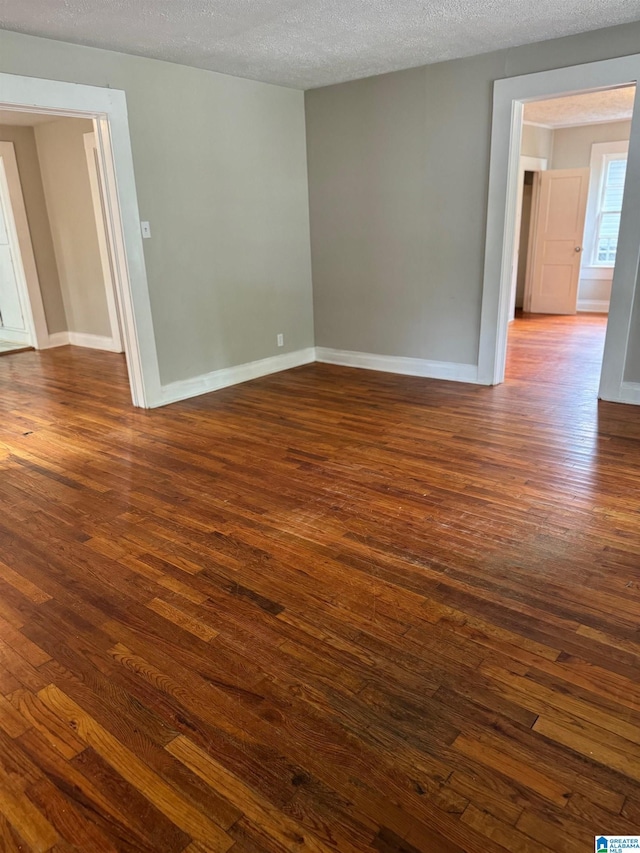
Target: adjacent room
point(57, 284)
point(571, 178)
point(319, 432)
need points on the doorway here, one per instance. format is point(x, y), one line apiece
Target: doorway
point(22, 320)
point(568, 216)
point(56, 192)
point(575, 198)
point(14, 334)
point(106, 110)
point(510, 97)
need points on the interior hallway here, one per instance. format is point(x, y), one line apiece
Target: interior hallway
point(325, 610)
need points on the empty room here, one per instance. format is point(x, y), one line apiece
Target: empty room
point(319, 427)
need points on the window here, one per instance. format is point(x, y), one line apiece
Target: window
point(614, 169)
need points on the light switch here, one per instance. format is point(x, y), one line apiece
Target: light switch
point(146, 230)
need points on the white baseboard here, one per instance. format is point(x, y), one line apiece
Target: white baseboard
point(81, 339)
point(593, 306)
point(185, 388)
point(57, 339)
point(399, 364)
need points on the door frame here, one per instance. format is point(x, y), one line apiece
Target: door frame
point(108, 110)
point(509, 97)
point(22, 250)
point(533, 229)
point(525, 164)
point(99, 213)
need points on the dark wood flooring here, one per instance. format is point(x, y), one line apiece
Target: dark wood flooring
point(327, 610)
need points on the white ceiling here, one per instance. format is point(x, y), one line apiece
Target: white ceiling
point(586, 108)
point(309, 43)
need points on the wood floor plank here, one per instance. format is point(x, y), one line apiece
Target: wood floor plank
point(10, 839)
point(136, 772)
point(37, 715)
point(256, 810)
point(24, 817)
point(506, 836)
point(109, 807)
point(22, 584)
point(597, 744)
point(528, 776)
point(11, 720)
point(543, 700)
point(66, 819)
point(182, 619)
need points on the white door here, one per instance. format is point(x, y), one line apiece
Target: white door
point(557, 240)
point(13, 327)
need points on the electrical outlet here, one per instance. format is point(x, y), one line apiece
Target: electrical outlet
point(280, 340)
point(146, 230)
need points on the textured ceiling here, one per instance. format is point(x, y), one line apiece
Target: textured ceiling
point(587, 108)
point(313, 42)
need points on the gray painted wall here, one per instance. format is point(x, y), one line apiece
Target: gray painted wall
point(398, 176)
point(24, 144)
point(221, 175)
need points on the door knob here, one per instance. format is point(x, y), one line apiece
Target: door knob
point(578, 248)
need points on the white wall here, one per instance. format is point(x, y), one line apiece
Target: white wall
point(221, 175)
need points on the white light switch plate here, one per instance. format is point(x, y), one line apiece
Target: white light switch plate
point(146, 230)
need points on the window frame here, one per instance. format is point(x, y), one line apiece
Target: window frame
point(606, 160)
point(602, 153)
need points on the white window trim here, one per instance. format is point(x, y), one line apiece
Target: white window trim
point(601, 154)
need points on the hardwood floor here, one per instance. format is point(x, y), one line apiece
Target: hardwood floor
point(327, 610)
